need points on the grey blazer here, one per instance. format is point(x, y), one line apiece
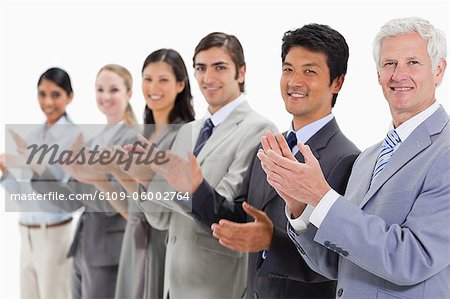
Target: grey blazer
point(197, 266)
point(391, 240)
point(283, 273)
point(141, 268)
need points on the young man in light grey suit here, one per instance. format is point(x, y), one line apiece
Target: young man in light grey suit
point(388, 237)
point(197, 266)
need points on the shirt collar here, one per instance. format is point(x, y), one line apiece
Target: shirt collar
point(220, 115)
point(309, 130)
point(305, 133)
point(406, 128)
point(57, 129)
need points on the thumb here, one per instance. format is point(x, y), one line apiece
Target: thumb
point(258, 215)
point(307, 153)
point(193, 161)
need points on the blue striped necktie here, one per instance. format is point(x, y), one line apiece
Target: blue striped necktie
point(204, 135)
point(386, 152)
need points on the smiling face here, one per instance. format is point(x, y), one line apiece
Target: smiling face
point(52, 100)
point(305, 85)
point(160, 87)
point(112, 95)
point(406, 77)
point(216, 75)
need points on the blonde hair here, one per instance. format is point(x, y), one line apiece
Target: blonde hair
point(129, 117)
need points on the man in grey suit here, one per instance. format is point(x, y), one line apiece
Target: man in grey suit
point(388, 237)
point(197, 266)
point(314, 63)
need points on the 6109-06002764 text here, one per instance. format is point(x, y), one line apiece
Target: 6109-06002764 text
point(98, 195)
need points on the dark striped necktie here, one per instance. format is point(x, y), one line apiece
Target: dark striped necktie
point(205, 133)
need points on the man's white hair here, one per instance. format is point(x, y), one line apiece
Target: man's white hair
point(437, 45)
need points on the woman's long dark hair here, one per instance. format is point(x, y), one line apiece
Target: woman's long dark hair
point(182, 110)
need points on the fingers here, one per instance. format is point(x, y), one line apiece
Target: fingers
point(226, 232)
point(257, 214)
point(128, 147)
point(276, 163)
point(17, 139)
point(160, 169)
point(229, 230)
point(270, 168)
point(269, 142)
point(307, 153)
point(142, 139)
point(284, 147)
point(168, 168)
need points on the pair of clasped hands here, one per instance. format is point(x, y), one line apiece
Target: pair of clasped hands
point(298, 184)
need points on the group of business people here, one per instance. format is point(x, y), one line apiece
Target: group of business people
point(302, 214)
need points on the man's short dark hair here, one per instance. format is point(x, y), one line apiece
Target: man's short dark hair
point(323, 39)
point(230, 44)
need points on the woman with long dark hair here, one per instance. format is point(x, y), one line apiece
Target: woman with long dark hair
point(166, 89)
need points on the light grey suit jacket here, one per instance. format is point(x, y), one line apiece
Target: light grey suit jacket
point(197, 266)
point(391, 240)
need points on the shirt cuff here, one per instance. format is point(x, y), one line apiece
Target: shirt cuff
point(321, 210)
point(301, 223)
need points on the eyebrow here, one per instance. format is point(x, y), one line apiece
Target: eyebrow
point(303, 65)
point(159, 76)
point(213, 64)
point(394, 59)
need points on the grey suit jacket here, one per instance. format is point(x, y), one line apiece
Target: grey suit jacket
point(391, 240)
point(141, 268)
point(100, 227)
point(283, 273)
point(197, 266)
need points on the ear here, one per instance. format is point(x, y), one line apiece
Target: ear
point(129, 94)
point(69, 99)
point(439, 72)
point(180, 86)
point(336, 85)
point(241, 74)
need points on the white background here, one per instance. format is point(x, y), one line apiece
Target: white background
point(81, 37)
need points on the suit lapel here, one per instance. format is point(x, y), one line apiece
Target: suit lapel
point(196, 128)
point(223, 131)
point(418, 141)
